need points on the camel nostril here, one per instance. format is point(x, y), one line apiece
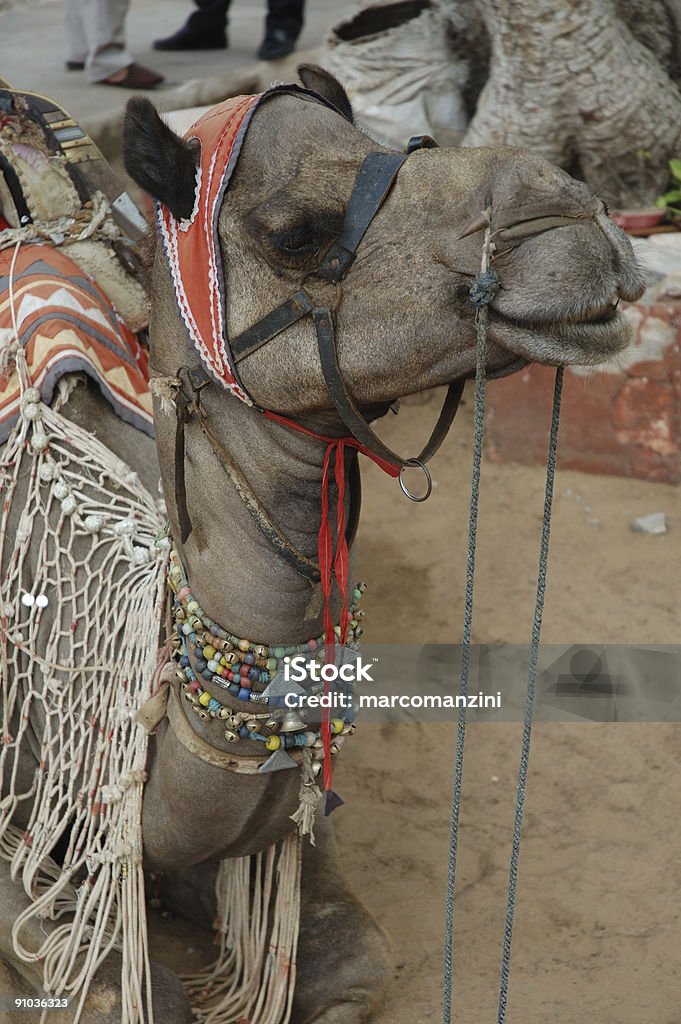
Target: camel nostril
point(631, 283)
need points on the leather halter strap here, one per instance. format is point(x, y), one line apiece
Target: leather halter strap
point(353, 418)
point(374, 181)
point(188, 405)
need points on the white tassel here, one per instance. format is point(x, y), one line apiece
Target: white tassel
point(308, 795)
point(164, 389)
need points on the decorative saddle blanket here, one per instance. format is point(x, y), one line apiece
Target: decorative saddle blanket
point(65, 323)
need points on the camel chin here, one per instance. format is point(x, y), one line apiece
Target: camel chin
point(569, 343)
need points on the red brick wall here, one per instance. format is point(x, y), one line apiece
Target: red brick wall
point(622, 420)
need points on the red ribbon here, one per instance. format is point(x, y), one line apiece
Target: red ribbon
point(331, 565)
point(340, 563)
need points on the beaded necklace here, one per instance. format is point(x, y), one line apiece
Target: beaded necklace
point(250, 673)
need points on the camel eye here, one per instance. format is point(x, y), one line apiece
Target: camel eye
point(295, 243)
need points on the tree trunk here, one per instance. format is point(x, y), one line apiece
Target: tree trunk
point(570, 81)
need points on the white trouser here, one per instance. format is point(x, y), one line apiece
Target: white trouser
point(95, 34)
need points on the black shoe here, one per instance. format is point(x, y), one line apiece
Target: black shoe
point(187, 39)
point(276, 44)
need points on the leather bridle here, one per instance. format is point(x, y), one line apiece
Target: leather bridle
point(373, 183)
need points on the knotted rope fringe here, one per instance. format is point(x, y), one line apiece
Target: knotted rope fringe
point(96, 222)
point(93, 541)
point(253, 978)
point(482, 293)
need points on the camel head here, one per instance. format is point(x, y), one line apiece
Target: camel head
point(404, 319)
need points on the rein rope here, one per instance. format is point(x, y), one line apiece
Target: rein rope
point(482, 293)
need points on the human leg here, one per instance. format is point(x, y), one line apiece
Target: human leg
point(204, 29)
point(286, 15)
point(283, 25)
point(96, 31)
point(76, 42)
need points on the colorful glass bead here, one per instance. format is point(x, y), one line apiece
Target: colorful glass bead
point(244, 694)
point(243, 645)
point(273, 743)
point(205, 699)
point(336, 725)
point(208, 652)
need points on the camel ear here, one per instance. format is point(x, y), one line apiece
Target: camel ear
point(320, 81)
point(157, 159)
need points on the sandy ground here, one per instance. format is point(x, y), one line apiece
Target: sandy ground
point(598, 927)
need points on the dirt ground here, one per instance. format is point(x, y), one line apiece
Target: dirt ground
point(598, 923)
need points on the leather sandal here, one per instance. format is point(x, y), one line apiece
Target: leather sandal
point(136, 77)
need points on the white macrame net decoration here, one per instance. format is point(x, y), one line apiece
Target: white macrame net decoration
point(74, 673)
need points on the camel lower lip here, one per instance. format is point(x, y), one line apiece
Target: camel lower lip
point(584, 343)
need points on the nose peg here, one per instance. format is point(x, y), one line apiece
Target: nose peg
point(479, 223)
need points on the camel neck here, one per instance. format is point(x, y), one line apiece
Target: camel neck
point(235, 572)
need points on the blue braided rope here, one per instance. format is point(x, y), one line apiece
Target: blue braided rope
point(529, 700)
point(482, 293)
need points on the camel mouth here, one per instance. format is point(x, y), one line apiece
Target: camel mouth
point(588, 339)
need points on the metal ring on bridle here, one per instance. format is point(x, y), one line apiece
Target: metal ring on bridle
point(410, 463)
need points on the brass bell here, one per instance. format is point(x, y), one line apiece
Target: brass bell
point(261, 652)
point(291, 722)
point(231, 735)
point(253, 726)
